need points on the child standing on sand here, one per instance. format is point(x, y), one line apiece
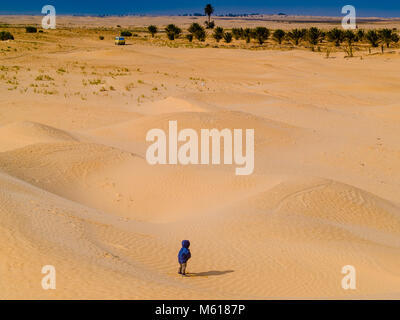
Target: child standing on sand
point(183, 256)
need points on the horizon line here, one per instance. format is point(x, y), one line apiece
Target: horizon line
point(237, 15)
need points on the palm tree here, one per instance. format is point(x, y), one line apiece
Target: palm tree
point(173, 31)
point(372, 37)
point(386, 36)
point(209, 10)
point(350, 37)
point(261, 34)
point(314, 36)
point(335, 35)
point(278, 35)
point(296, 35)
point(218, 33)
point(197, 31)
point(360, 35)
point(153, 30)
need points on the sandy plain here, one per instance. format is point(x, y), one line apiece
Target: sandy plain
point(76, 191)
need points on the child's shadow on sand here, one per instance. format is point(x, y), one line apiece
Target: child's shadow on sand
point(209, 273)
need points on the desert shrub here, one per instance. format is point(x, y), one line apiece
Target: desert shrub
point(126, 33)
point(261, 34)
point(209, 24)
point(30, 29)
point(189, 37)
point(395, 38)
point(101, 37)
point(173, 31)
point(228, 37)
point(237, 33)
point(247, 34)
point(5, 35)
point(44, 78)
point(279, 35)
point(218, 33)
point(197, 31)
point(201, 35)
point(152, 29)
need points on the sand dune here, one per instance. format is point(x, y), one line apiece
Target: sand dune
point(287, 240)
point(131, 135)
point(76, 190)
point(170, 105)
point(20, 134)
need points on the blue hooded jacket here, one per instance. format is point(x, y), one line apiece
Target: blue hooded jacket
point(184, 254)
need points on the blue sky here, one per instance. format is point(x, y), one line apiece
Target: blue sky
point(383, 8)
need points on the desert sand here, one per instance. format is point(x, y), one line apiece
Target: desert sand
point(76, 191)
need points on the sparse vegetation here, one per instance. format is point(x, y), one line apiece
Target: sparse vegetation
point(44, 77)
point(173, 31)
point(279, 35)
point(5, 35)
point(218, 33)
point(360, 35)
point(237, 33)
point(126, 33)
point(372, 37)
point(296, 35)
point(189, 37)
point(197, 31)
point(350, 37)
point(261, 34)
point(314, 36)
point(95, 82)
point(228, 37)
point(153, 30)
point(130, 86)
point(247, 34)
point(30, 29)
point(386, 37)
point(336, 36)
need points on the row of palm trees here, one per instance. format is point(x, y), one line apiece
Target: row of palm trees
point(313, 35)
